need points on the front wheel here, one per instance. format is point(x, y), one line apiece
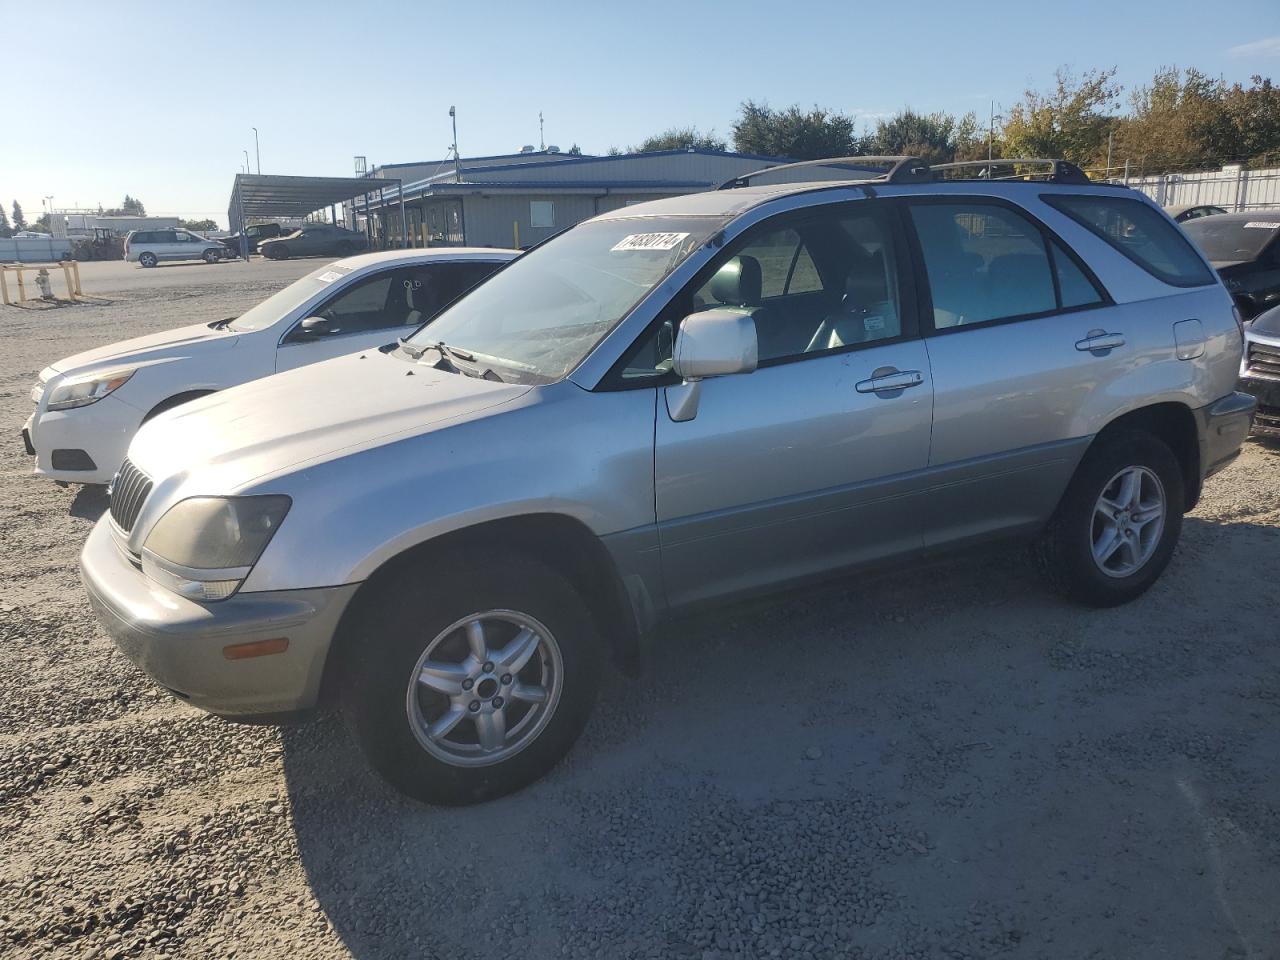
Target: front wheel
point(147, 259)
point(1118, 523)
point(211, 256)
point(279, 252)
point(474, 685)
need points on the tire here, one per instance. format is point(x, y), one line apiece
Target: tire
point(148, 259)
point(422, 616)
point(279, 252)
point(212, 256)
point(1126, 565)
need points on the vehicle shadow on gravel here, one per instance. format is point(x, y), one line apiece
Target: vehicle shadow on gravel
point(89, 503)
point(907, 766)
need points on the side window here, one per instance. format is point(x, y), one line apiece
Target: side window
point(165, 236)
point(1074, 287)
point(1140, 233)
point(370, 304)
point(827, 283)
point(984, 262)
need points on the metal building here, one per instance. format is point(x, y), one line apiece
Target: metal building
point(516, 200)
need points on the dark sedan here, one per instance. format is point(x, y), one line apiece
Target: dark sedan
point(314, 240)
point(1260, 371)
point(1245, 250)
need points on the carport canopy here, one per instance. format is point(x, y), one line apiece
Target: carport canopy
point(269, 195)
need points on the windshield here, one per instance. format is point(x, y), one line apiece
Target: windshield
point(538, 318)
point(1220, 238)
point(283, 302)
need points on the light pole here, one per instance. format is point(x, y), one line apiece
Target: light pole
point(457, 167)
point(256, 155)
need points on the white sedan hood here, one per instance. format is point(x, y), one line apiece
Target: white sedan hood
point(142, 350)
point(227, 440)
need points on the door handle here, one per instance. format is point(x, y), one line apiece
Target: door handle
point(883, 381)
point(1099, 340)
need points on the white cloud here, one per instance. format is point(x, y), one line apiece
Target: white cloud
point(1266, 47)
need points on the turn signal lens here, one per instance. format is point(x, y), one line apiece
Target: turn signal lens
point(256, 648)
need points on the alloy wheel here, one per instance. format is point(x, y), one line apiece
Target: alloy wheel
point(484, 688)
point(1128, 520)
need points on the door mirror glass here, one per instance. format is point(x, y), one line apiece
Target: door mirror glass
point(716, 343)
point(320, 326)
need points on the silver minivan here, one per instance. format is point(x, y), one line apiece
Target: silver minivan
point(671, 405)
point(149, 247)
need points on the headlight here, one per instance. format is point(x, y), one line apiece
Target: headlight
point(82, 391)
point(203, 548)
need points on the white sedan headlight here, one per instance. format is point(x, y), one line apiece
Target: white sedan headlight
point(204, 547)
point(82, 391)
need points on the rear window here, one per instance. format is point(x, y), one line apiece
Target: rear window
point(1140, 233)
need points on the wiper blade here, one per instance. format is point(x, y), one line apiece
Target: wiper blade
point(449, 357)
point(221, 324)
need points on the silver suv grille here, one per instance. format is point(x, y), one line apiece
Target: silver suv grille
point(129, 491)
point(1264, 360)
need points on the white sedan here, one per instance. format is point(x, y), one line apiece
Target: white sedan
point(89, 406)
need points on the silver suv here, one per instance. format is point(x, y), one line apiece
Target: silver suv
point(673, 404)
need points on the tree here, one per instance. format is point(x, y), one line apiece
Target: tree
point(934, 137)
point(198, 225)
point(793, 132)
point(575, 151)
point(681, 138)
point(1069, 122)
point(5, 229)
point(129, 207)
point(41, 225)
point(19, 221)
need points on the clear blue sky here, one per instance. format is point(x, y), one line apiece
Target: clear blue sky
point(105, 98)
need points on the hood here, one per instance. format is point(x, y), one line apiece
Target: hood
point(168, 345)
point(314, 413)
point(1227, 264)
point(1266, 323)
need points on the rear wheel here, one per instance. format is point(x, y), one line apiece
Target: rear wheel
point(1118, 523)
point(473, 685)
point(278, 251)
point(147, 259)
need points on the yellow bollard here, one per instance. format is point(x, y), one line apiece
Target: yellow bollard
point(4, 284)
point(515, 229)
point(75, 269)
point(22, 290)
point(66, 275)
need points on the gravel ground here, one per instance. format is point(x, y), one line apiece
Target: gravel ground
point(942, 766)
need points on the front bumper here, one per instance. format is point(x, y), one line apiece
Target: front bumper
point(179, 643)
point(1223, 427)
point(1267, 393)
point(101, 430)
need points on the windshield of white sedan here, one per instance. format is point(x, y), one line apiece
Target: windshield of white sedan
point(538, 318)
point(285, 301)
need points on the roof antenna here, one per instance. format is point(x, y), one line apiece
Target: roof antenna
point(542, 142)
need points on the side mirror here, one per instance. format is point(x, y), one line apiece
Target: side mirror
point(715, 343)
point(320, 326)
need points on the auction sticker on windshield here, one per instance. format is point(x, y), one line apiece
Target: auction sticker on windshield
point(1262, 225)
point(337, 273)
point(649, 241)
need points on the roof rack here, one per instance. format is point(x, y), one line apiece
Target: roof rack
point(1051, 171)
point(901, 170)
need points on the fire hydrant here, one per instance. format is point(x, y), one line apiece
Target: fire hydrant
point(42, 281)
